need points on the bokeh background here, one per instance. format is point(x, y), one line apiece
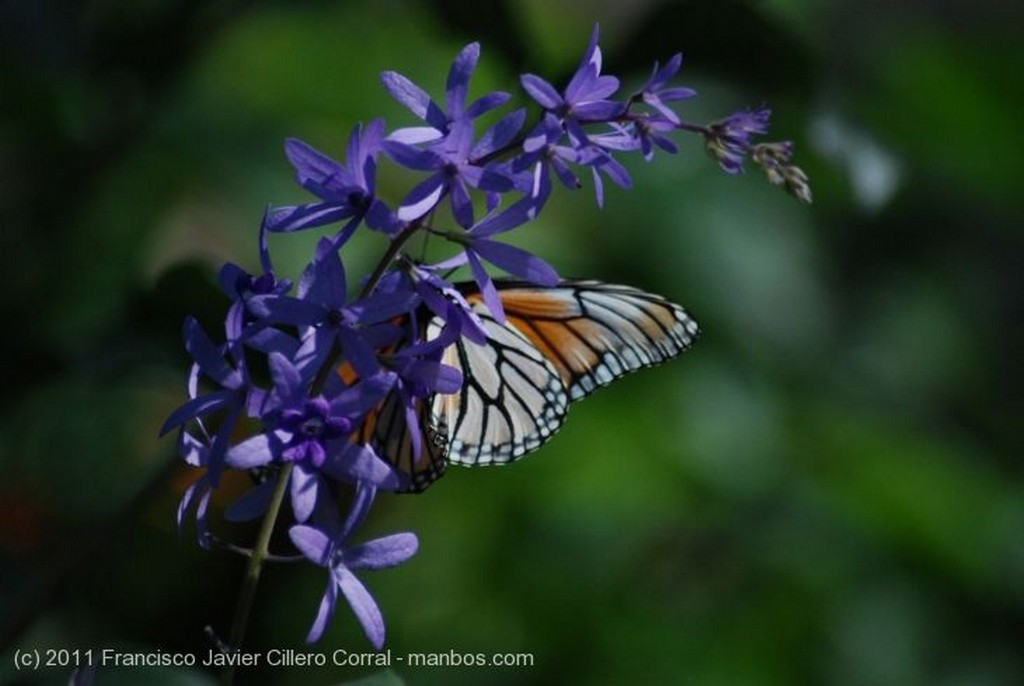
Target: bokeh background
point(828, 489)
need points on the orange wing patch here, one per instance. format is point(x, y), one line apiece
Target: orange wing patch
point(534, 304)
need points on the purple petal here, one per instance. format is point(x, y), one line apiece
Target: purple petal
point(382, 553)
point(458, 79)
point(291, 218)
point(592, 56)
point(276, 309)
point(325, 611)
point(603, 87)
point(287, 380)
point(190, 449)
point(577, 134)
point(311, 542)
point(517, 214)
point(383, 219)
point(197, 407)
point(323, 281)
point(250, 453)
point(269, 340)
point(672, 94)
point(360, 464)
point(232, 279)
point(423, 198)
point(666, 144)
point(565, 174)
point(499, 135)
point(203, 520)
point(358, 352)
point(438, 377)
point(362, 397)
point(187, 501)
point(494, 180)
point(363, 605)
point(207, 356)
point(599, 110)
point(663, 109)
point(364, 143)
point(315, 170)
point(487, 288)
point(252, 505)
point(406, 92)
point(616, 172)
point(541, 91)
point(471, 175)
point(487, 103)
point(661, 76)
point(382, 307)
point(304, 487)
point(413, 157)
point(363, 499)
point(412, 425)
point(462, 204)
point(414, 135)
point(517, 261)
point(598, 187)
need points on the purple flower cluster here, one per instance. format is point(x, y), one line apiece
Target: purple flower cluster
point(301, 367)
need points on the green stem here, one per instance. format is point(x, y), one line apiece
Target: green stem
point(389, 255)
point(252, 572)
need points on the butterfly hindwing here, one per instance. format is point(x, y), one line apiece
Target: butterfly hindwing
point(387, 431)
point(512, 399)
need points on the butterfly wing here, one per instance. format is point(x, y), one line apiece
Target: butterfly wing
point(558, 345)
point(511, 402)
point(594, 333)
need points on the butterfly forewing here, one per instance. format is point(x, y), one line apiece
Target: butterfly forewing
point(594, 333)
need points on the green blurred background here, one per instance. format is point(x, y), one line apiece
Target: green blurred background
point(828, 489)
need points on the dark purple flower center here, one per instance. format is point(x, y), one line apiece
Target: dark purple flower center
point(312, 427)
point(360, 201)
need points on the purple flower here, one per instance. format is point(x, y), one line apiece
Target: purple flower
point(313, 433)
point(541, 150)
point(327, 322)
point(728, 140)
point(643, 133)
point(655, 94)
point(419, 103)
point(450, 154)
point(455, 171)
point(346, 191)
point(234, 396)
point(240, 285)
point(584, 99)
point(331, 549)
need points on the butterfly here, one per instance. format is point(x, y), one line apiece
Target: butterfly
point(558, 345)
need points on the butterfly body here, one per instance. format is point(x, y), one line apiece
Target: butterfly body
point(557, 346)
